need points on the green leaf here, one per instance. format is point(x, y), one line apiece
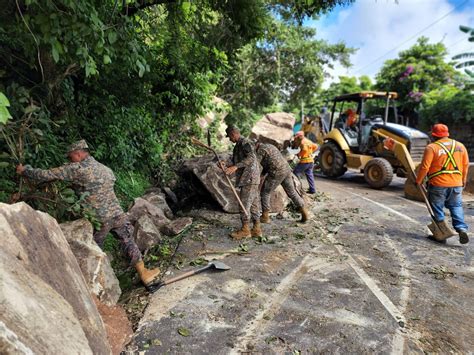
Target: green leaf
point(107, 59)
point(4, 114)
point(31, 108)
point(184, 332)
point(4, 164)
point(57, 49)
point(186, 6)
point(112, 36)
point(3, 100)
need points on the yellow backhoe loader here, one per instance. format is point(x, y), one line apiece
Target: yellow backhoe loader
point(358, 125)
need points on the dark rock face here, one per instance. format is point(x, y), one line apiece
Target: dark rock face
point(45, 303)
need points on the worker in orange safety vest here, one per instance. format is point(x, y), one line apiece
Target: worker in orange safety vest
point(445, 163)
point(306, 163)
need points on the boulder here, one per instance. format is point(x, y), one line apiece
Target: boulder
point(177, 226)
point(94, 263)
point(45, 303)
point(212, 179)
point(274, 128)
point(469, 188)
point(117, 325)
point(143, 207)
point(159, 200)
point(281, 119)
point(147, 233)
point(278, 200)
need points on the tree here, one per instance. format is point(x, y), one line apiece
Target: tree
point(284, 69)
point(466, 60)
point(417, 70)
point(447, 104)
point(346, 85)
point(129, 76)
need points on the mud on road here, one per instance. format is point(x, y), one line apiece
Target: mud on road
point(360, 277)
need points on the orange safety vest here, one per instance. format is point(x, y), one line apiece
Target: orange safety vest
point(449, 160)
point(307, 148)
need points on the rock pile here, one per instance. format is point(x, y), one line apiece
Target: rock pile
point(45, 303)
point(58, 292)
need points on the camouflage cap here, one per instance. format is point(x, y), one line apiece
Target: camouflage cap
point(79, 145)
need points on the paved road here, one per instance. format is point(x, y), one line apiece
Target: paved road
point(360, 278)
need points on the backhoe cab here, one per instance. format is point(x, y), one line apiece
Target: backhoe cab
point(359, 125)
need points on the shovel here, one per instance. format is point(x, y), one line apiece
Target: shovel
point(215, 265)
point(441, 230)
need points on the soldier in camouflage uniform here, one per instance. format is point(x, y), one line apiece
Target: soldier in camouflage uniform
point(245, 164)
point(89, 176)
point(277, 172)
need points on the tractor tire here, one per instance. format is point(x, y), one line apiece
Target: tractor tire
point(378, 173)
point(332, 160)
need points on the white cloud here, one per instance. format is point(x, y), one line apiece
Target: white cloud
point(378, 26)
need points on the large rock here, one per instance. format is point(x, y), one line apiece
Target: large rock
point(143, 207)
point(45, 304)
point(274, 128)
point(469, 188)
point(177, 226)
point(147, 233)
point(158, 199)
point(211, 177)
point(94, 263)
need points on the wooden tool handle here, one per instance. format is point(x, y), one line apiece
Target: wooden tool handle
point(424, 194)
point(185, 275)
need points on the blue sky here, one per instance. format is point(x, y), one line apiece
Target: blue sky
point(381, 28)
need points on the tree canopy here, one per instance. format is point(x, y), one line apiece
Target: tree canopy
point(132, 76)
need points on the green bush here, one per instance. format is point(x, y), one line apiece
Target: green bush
point(130, 185)
point(447, 104)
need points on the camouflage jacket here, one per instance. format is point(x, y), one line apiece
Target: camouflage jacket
point(245, 159)
point(88, 176)
point(271, 160)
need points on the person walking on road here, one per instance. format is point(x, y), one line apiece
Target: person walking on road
point(445, 163)
point(306, 163)
point(245, 165)
point(96, 180)
point(277, 172)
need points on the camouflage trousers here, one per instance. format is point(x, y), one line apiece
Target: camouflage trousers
point(251, 201)
point(123, 230)
point(271, 183)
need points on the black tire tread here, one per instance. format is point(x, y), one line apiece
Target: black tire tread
point(337, 169)
point(387, 173)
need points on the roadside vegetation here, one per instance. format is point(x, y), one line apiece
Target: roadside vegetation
point(131, 77)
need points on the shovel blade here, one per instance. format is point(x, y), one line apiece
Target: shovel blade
point(219, 265)
point(441, 231)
